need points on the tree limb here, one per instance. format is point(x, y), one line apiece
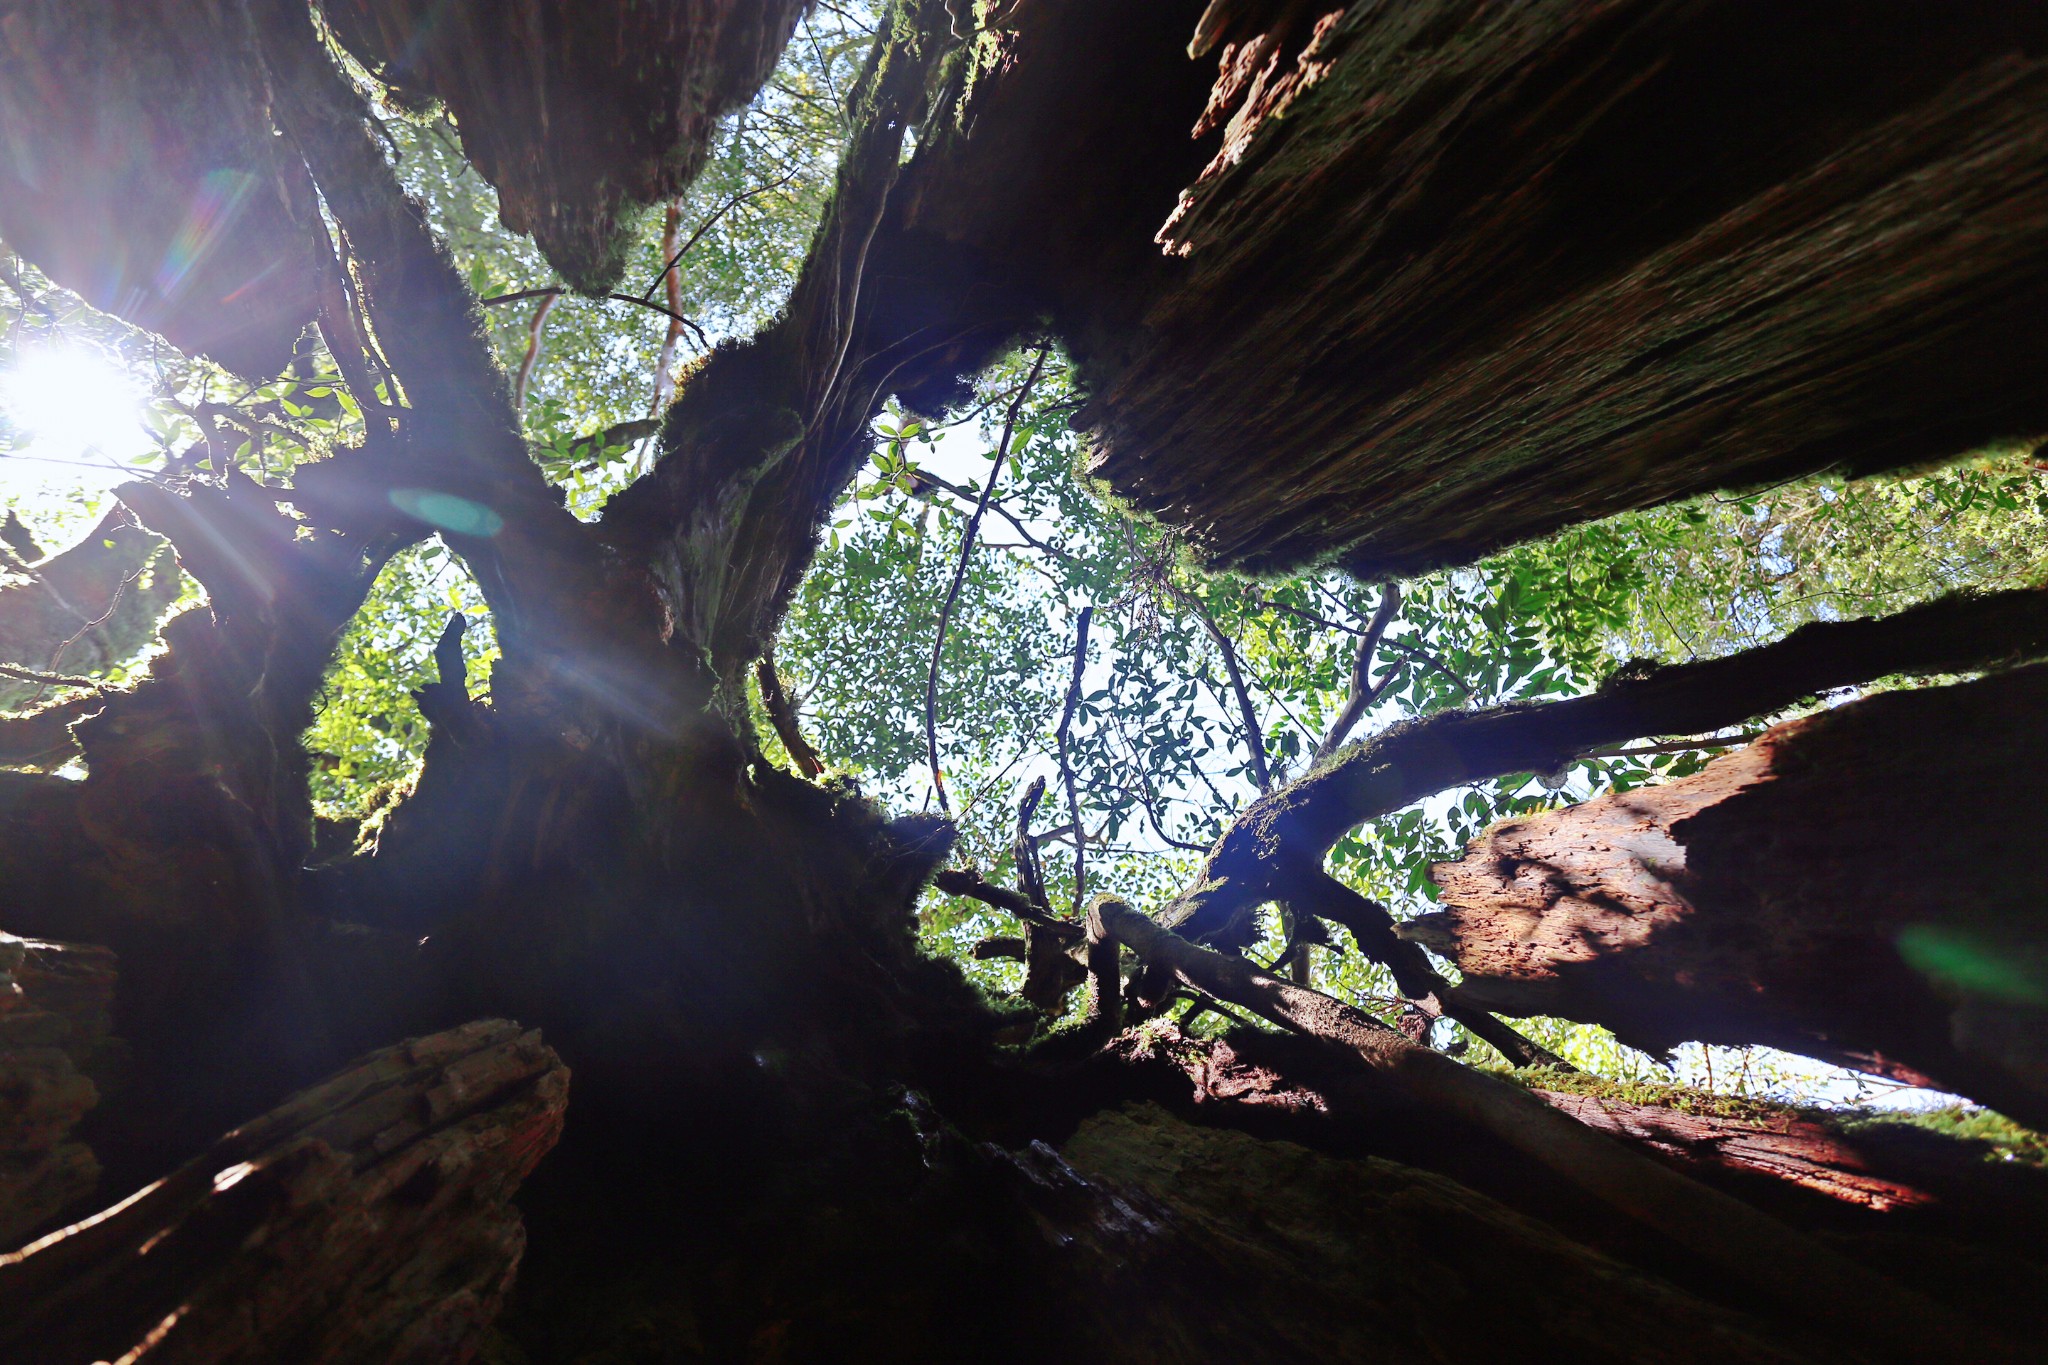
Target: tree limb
point(965, 881)
point(1254, 736)
point(1756, 1250)
point(1364, 692)
point(1281, 833)
point(534, 330)
point(1066, 767)
point(782, 715)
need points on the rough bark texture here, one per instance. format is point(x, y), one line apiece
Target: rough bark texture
point(578, 113)
point(1180, 1274)
point(54, 1046)
point(1846, 887)
point(363, 1220)
point(1462, 274)
point(765, 1161)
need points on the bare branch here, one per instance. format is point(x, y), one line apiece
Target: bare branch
point(1024, 846)
point(1254, 737)
point(675, 254)
point(1066, 767)
point(782, 715)
point(1279, 834)
point(48, 679)
point(534, 330)
point(931, 684)
point(553, 291)
point(1430, 661)
point(1364, 692)
point(965, 881)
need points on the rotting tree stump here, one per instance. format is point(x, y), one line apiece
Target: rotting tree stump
point(1459, 274)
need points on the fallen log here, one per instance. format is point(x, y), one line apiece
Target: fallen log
point(364, 1219)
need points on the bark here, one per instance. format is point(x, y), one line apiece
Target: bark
point(725, 952)
point(1181, 1275)
point(54, 1046)
point(577, 113)
point(1752, 1249)
point(1280, 839)
point(1845, 887)
point(363, 1219)
point(1460, 275)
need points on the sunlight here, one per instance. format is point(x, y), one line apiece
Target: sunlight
point(76, 418)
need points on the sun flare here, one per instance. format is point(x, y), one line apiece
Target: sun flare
point(76, 418)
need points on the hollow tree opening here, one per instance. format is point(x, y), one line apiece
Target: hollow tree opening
point(1380, 332)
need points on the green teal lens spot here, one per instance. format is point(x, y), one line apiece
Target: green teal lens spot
point(446, 512)
point(1967, 961)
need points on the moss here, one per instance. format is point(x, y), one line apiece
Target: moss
point(2003, 1139)
point(1678, 1098)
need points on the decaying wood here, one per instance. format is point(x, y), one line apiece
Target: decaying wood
point(578, 113)
point(54, 1026)
point(363, 1219)
point(1801, 1153)
point(1736, 1239)
point(1460, 274)
point(1164, 1258)
point(1844, 887)
point(598, 841)
point(1282, 838)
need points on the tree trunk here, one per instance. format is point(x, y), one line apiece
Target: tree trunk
point(1845, 887)
point(795, 1136)
point(54, 1054)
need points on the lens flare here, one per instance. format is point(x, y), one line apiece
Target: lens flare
point(76, 419)
point(447, 512)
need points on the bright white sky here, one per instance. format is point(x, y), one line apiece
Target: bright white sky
point(76, 416)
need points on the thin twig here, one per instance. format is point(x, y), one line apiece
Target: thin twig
point(1066, 767)
point(1255, 738)
point(1430, 661)
point(703, 339)
point(48, 679)
point(728, 206)
point(1677, 746)
point(534, 331)
point(931, 682)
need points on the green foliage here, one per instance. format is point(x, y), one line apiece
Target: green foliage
point(369, 734)
point(2004, 1140)
point(1158, 750)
